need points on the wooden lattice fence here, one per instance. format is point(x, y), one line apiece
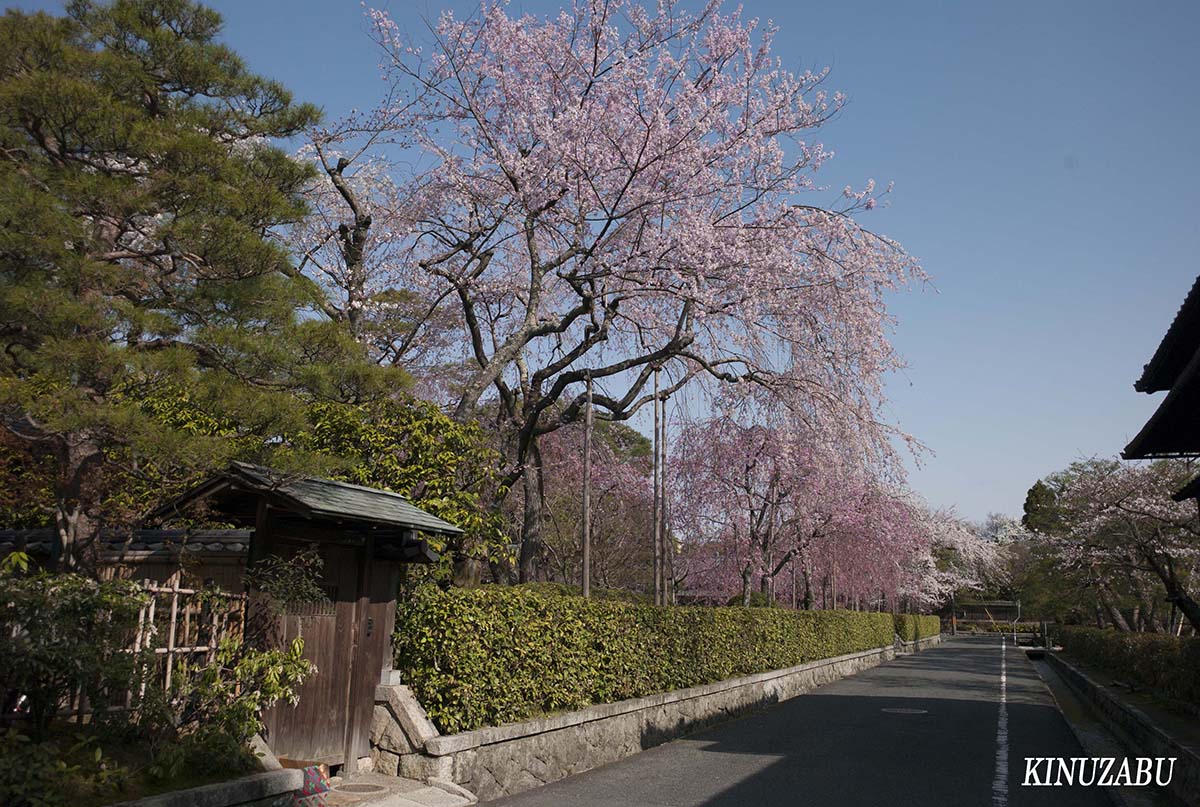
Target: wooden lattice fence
point(176, 625)
point(185, 624)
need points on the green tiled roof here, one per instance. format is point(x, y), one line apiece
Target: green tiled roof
point(331, 499)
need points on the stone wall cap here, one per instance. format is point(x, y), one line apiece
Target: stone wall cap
point(445, 745)
point(223, 794)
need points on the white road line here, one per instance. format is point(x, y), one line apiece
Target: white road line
point(1000, 781)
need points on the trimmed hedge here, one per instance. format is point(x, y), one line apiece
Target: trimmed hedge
point(1164, 665)
point(496, 655)
point(911, 627)
point(998, 627)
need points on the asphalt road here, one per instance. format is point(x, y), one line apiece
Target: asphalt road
point(840, 745)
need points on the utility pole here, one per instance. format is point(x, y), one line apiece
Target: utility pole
point(668, 549)
point(587, 493)
point(833, 579)
point(658, 559)
point(792, 563)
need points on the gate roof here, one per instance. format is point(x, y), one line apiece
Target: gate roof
point(312, 498)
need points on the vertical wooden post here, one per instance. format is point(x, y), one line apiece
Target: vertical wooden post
point(137, 645)
point(658, 560)
point(362, 681)
point(171, 631)
point(217, 623)
point(587, 492)
point(150, 630)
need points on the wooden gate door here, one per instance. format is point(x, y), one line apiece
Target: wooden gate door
point(315, 729)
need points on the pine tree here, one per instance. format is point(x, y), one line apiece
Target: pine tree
point(139, 192)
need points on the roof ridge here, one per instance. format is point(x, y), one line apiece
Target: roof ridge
point(356, 486)
point(275, 473)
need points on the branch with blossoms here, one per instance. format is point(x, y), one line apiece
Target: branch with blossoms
point(617, 193)
point(1122, 518)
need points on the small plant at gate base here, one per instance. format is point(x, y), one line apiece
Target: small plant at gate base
point(229, 694)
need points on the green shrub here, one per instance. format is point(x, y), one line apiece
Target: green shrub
point(54, 773)
point(228, 694)
point(757, 600)
point(496, 655)
point(65, 633)
point(568, 590)
point(1164, 665)
point(911, 627)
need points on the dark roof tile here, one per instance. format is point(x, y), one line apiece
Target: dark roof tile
point(1177, 347)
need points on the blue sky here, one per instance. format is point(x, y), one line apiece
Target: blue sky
point(1047, 176)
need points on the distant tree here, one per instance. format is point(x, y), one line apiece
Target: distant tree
point(138, 196)
point(1108, 543)
point(961, 558)
point(1048, 587)
point(622, 510)
point(778, 507)
point(1041, 510)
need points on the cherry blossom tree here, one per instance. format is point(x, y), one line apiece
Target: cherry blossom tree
point(621, 510)
point(606, 192)
point(735, 484)
point(758, 501)
point(1120, 518)
point(958, 557)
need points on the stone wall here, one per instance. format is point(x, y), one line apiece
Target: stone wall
point(1136, 730)
point(504, 760)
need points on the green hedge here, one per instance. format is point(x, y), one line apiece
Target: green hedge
point(998, 627)
point(1164, 665)
point(496, 655)
point(911, 627)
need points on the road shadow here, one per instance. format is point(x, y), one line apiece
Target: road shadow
point(921, 730)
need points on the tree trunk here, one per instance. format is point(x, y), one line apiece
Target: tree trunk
point(1164, 567)
point(746, 586)
point(808, 595)
point(1113, 612)
point(1188, 607)
point(833, 583)
point(75, 522)
point(467, 572)
point(531, 528)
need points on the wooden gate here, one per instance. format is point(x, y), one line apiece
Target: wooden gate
point(316, 729)
point(363, 534)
